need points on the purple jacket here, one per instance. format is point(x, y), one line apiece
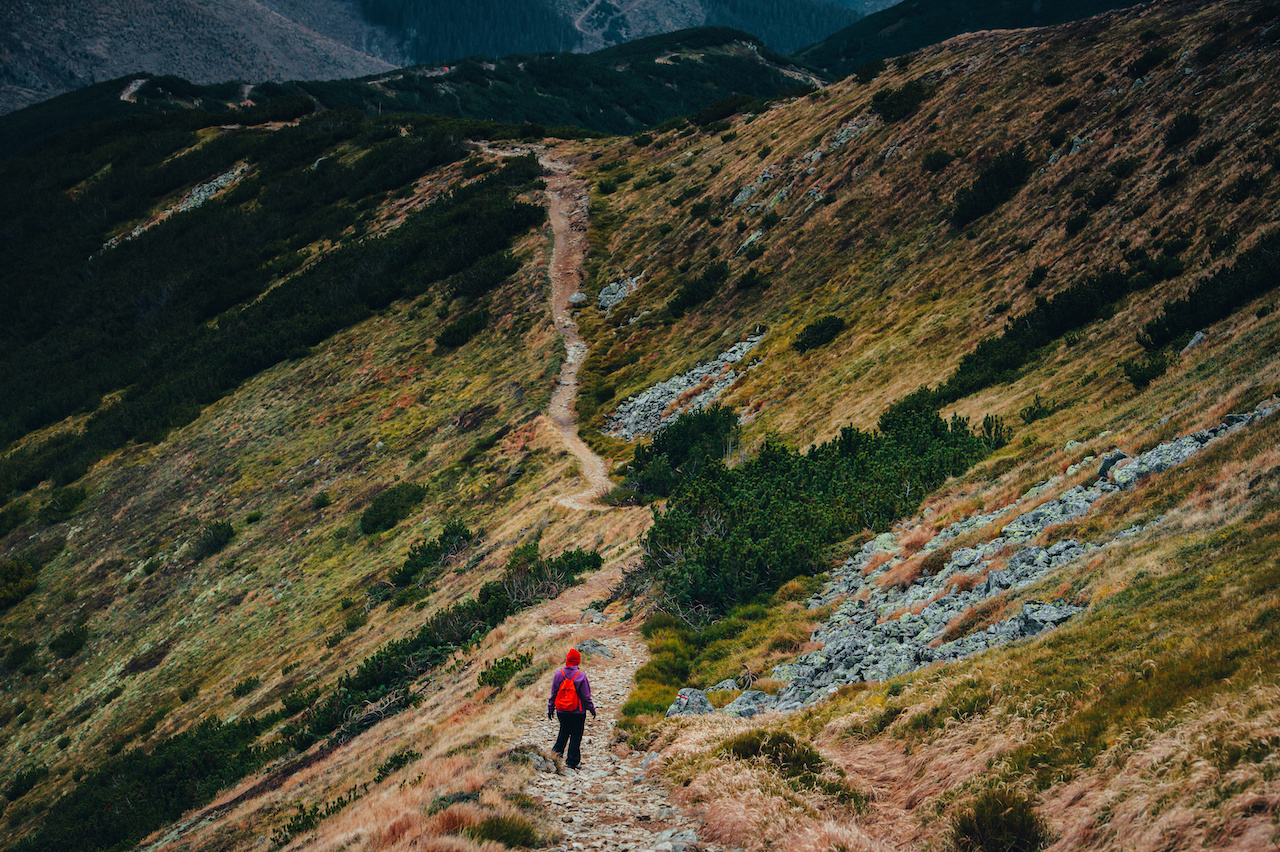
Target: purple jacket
point(580, 683)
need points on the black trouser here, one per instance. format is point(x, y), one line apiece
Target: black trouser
point(571, 725)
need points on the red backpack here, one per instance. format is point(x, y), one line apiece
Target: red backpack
point(567, 696)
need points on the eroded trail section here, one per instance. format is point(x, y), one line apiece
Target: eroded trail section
point(567, 197)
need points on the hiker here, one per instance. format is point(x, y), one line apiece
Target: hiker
point(569, 702)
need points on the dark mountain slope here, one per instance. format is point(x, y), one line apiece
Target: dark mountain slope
point(914, 24)
point(617, 90)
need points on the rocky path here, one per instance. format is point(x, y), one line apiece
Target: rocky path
point(610, 803)
point(568, 197)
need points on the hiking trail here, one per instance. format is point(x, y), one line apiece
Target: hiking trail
point(567, 208)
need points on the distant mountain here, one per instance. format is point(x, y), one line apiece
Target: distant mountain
point(66, 45)
point(55, 46)
point(914, 24)
point(441, 30)
point(623, 89)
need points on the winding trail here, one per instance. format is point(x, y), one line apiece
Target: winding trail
point(568, 196)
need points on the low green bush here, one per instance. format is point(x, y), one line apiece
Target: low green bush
point(820, 332)
point(391, 507)
point(894, 104)
point(1184, 127)
point(458, 332)
point(62, 504)
point(399, 760)
point(1143, 371)
point(1216, 297)
point(17, 580)
point(245, 686)
point(501, 670)
point(995, 184)
point(69, 642)
point(213, 537)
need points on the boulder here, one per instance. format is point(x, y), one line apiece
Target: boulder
point(751, 703)
point(727, 684)
point(591, 646)
point(1110, 460)
point(690, 702)
point(1198, 338)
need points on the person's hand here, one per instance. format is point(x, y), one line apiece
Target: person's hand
point(550, 714)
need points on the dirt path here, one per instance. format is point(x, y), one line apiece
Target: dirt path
point(568, 197)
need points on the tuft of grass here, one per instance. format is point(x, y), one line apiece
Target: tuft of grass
point(511, 831)
point(999, 820)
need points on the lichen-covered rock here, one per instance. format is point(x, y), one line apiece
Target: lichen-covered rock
point(750, 703)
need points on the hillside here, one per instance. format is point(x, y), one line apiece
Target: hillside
point(987, 523)
point(906, 27)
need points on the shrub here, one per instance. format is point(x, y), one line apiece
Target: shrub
point(1150, 60)
point(322, 500)
point(937, 159)
point(818, 333)
point(688, 443)
point(730, 535)
point(641, 140)
point(354, 620)
point(1143, 371)
point(62, 504)
point(896, 104)
point(1077, 222)
point(501, 670)
point(1184, 127)
point(246, 686)
point(426, 558)
point(868, 71)
point(1217, 296)
point(69, 642)
point(391, 507)
point(399, 760)
point(460, 331)
point(751, 279)
point(695, 291)
point(17, 580)
point(999, 821)
point(996, 184)
point(24, 781)
point(253, 517)
point(13, 515)
point(213, 537)
point(1039, 409)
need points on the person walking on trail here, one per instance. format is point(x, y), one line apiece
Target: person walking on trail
point(569, 702)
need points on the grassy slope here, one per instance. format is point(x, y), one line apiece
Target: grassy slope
point(916, 295)
point(1087, 715)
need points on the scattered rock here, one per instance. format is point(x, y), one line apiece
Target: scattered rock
point(1198, 338)
point(690, 702)
point(647, 412)
point(750, 703)
point(592, 646)
point(726, 685)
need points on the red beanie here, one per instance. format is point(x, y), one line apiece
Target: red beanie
point(573, 658)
